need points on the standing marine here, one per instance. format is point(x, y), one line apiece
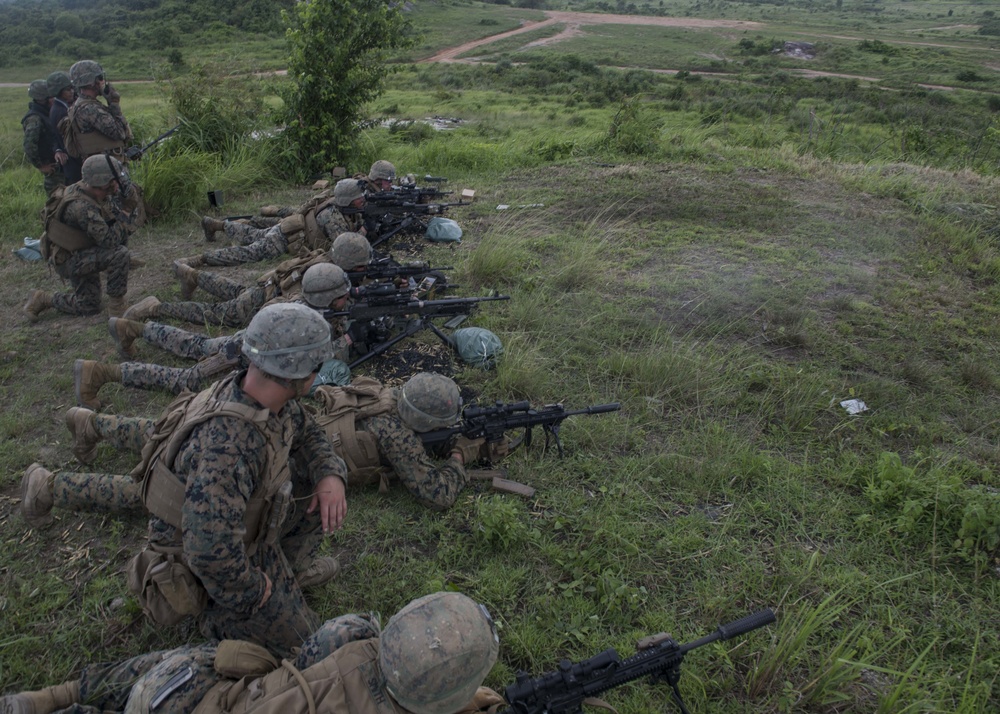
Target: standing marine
point(40, 139)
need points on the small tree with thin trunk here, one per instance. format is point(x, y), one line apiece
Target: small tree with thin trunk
point(337, 63)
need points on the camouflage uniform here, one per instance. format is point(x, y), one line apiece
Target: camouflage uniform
point(106, 687)
point(111, 493)
point(401, 449)
point(256, 244)
point(92, 116)
point(83, 268)
point(221, 462)
point(40, 144)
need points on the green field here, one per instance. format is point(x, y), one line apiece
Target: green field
point(730, 257)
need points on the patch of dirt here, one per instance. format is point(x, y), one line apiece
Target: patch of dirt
point(573, 22)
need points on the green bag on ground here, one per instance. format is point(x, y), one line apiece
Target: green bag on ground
point(477, 346)
point(444, 230)
point(335, 372)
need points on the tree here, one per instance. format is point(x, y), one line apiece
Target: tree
point(337, 63)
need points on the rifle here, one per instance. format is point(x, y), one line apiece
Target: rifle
point(405, 194)
point(386, 268)
point(134, 153)
point(374, 315)
point(659, 656)
point(490, 423)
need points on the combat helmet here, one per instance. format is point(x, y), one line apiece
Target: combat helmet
point(287, 340)
point(323, 283)
point(382, 169)
point(84, 73)
point(346, 191)
point(101, 169)
point(57, 82)
point(436, 651)
point(39, 90)
point(429, 401)
point(351, 251)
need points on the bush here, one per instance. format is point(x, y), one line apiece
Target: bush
point(634, 129)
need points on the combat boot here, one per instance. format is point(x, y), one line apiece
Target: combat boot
point(134, 262)
point(192, 261)
point(188, 277)
point(218, 363)
point(36, 495)
point(88, 378)
point(142, 310)
point(210, 226)
point(320, 570)
point(124, 333)
point(116, 305)
point(80, 422)
point(44, 701)
point(37, 303)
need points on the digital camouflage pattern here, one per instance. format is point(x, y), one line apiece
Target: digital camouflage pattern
point(83, 268)
point(106, 687)
point(351, 251)
point(112, 493)
point(90, 115)
point(288, 341)
point(155, 377)
point(400, 449)
point(429, 401)
point(184, 343)
point(256, 244)
point(222, 461)
point(436, 651)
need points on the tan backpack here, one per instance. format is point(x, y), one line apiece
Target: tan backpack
point(342, 408)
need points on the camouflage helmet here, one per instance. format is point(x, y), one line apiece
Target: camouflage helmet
point(346, 191)
point(84, 73)
point(382, 169)
point(436, 651)
point(351, 250)
point(429, 401)
point(101, 169)
point(39, 90)
point(57, 82)
point(287, 340)
point(323, 283)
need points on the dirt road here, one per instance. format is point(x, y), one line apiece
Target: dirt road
point(573, 22)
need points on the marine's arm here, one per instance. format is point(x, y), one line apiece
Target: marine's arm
point(90, 219)
point(436, 486)
point(33, 129)
point(327, 471)
point(224, 458)
point(108, 121)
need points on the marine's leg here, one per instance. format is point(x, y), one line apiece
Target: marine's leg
point(157, 377)
point(95, 492)
point(273, 244)
point(334, 634)
point(242, 233)
point(233, 313)
point(218, 285)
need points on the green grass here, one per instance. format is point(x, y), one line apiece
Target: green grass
point(730, 286)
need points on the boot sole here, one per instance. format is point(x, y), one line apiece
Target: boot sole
point(33, 520)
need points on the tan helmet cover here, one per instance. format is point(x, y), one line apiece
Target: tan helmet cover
point(436, 651)
point(346, 191)
point(429, 401)
point(287, 340)
point(351, 251)
point(323, 283)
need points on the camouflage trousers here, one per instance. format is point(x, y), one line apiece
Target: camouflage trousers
point(191, 345)
point(111, 493)
point(83, 271)
point(232, 313)
point(112, 687)
point(255, 244)
point(155, 377)
point(285, 621)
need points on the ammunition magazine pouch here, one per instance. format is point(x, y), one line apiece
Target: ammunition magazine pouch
point(235, 659)
point(288, 274)
point(165, 587)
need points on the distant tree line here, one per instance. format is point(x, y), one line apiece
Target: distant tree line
point(34, 29)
